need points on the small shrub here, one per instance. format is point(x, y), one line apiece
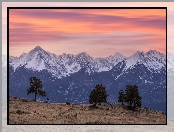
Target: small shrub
point(19, 112)
point(22, 112)
point(67, 103)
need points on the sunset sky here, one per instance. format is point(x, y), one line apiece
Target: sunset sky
point(100, 33)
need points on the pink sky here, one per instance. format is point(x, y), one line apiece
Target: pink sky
point(100, 33)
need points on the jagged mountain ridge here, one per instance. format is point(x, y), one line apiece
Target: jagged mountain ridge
point(66, 64)
point(153, 60)
point(62, 65)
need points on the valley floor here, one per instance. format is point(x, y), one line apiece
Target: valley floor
point(30, 112)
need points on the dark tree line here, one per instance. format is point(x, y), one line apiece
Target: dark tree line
point(131, 96)
point(98, 94)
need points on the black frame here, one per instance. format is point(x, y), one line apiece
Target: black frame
point(8, 8)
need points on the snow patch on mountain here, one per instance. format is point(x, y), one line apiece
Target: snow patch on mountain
point(115, 59)
point(119, 76)
point(36, 63)
point(66, 64)
point(153, 60)
point(35, 59)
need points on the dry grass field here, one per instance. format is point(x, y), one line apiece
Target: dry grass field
point(23, 111)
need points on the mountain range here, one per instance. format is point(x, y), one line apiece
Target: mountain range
point(67, 64)
point(70, 78)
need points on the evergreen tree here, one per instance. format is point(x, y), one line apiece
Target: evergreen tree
point(36, 87)
point(98, 95)
point(132, 96)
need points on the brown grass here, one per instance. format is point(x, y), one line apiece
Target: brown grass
point(30, 112)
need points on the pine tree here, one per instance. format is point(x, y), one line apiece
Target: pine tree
point(36, 87)
point(132, 96)
point(98, 95)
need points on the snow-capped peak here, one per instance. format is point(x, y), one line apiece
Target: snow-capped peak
point(155, 53)
point(83, 54)
point(117, 54)
point(35, 59)
point(152, 60)
point(38, 48)
point(134, 59)
point(66, 64)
